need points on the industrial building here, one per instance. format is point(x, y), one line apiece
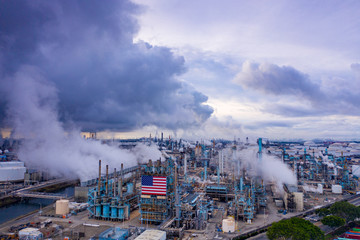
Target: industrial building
point(181, 191)
point(194, 185)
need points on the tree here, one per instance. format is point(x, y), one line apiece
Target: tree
point(296, 229)
point(322, 212)
point(345, 210)
point(333, 221)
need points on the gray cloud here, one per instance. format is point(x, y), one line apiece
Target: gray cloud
point(334, 96)
point(355, 67)
point(269, 124)
point(293, 111)
point(276, 80)
point(101, 79)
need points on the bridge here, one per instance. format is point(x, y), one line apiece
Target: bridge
point(30, 191)
point(43, 195)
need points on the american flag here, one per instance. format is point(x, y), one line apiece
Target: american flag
point(153, 185)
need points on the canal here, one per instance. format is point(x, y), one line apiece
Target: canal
point(18, 209)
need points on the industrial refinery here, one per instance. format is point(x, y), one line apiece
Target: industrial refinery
point(204, 189)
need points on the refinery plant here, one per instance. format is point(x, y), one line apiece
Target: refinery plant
point(208, 190)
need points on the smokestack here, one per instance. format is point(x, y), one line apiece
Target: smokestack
point(114, 182)
point(185, 165)
point(220, 160)
point(260, 144)
point(121, 181)
point(205, 172)
point(99, 182)
point(107, 179)
point(177, 199)
point(260, 148)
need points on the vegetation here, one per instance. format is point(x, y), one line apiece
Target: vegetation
point(322, 212)
point(333, 221)
point(296, 229)
point(345, 210)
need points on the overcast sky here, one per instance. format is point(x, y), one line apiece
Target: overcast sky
point(201, 69)
point(280, 69)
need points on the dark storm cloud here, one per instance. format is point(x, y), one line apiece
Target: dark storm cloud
point(102, 79)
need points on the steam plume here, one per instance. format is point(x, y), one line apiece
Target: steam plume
point(48, 146)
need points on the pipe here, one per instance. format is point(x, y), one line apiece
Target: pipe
point(99, 181)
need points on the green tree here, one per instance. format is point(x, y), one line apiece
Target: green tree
point(345, 210)
point(295, 229)
point(333, 221)
point(322, 212)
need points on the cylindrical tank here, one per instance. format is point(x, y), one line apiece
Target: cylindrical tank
point(62, 207)
point(114, 212)
point(98, 210)
point(106, 210)
point(228, 225)
point(121, 212)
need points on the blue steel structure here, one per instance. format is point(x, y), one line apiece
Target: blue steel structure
point(155, 209)
point(114, 234)
point(107, 201)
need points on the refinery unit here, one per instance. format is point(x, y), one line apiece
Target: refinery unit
point(197, 181)
point(199, 186)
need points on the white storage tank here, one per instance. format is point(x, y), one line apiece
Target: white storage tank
point(12, 171)
point(62, 207)
point(336, 189)
point(228, 225)
point(152, 234)
point(30, 234)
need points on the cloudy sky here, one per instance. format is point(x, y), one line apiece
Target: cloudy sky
point(280, 69)
point(200, 69)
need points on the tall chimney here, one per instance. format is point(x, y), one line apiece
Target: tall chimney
point(177, 199)
point(107, 179)
point(114, 182)
point(121, 180)
point(99, 182)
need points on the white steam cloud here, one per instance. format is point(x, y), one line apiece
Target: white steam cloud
point(48, 146)
point(269, 168)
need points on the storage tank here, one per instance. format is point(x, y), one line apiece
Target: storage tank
point(152, 235)
point(336, 189)
point(228, 225)
point(12, 171)
point(62, 207)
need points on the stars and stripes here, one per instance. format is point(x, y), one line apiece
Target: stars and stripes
point(153, 185)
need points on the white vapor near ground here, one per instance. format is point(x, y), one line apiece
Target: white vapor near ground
point(269, 168)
